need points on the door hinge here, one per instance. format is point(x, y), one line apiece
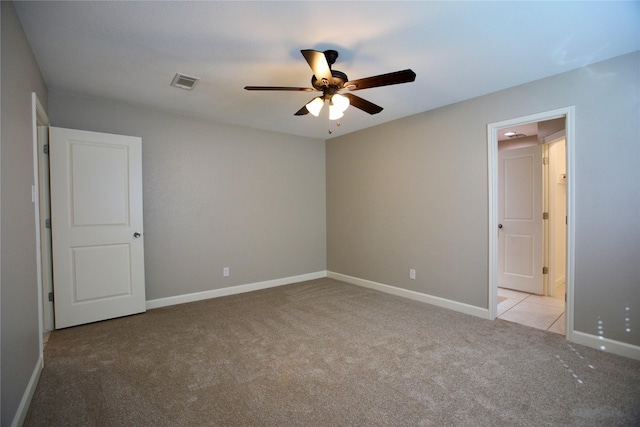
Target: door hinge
point(545, 160)
point(545, 215)
point(545, 270)
point(45, 148)
point(47, 223)
point(50, 296)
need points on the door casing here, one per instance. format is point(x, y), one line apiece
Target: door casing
point(557, 213)
point(39, 118)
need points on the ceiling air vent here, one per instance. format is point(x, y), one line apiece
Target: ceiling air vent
point(184, 82)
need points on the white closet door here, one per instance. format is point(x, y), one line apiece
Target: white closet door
point(520, 219)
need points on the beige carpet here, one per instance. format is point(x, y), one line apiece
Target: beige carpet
point(326, 353)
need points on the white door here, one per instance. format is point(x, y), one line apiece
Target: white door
point(96, 218)
point(520, 219)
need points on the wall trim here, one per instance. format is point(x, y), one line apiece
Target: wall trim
point(232, 290)
point(607, 345)
point(21, 413)
point(417, 296)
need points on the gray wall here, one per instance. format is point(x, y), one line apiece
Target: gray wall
point(19, 308)
point(216, 196)
point(412, 193)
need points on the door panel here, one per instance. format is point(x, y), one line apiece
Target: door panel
point(520, 215)
point(99, 169)
point(96, 207)
point(101, 272)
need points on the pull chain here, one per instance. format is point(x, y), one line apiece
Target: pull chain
point(337, 124)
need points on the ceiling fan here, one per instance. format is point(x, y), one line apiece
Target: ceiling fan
point(331, 82)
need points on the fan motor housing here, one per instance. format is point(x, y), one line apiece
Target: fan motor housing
point(339, 79)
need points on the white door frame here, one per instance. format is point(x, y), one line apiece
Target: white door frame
point(44, 192)
point(492, 137)
point(39, 118)
point(550, 280)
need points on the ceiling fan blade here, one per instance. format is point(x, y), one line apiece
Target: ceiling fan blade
point(297, 89)
point(404, 76)
point(302, 111)
point(363, 104)
point(319, 65)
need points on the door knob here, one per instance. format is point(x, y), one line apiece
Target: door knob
point(499, 225)
point(136, 234)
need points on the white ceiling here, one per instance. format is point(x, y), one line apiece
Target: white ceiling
point(130, 51)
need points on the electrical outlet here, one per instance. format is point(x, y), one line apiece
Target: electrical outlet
point(412, 274)
point(225, 271)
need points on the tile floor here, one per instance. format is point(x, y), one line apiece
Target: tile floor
point(533, 310)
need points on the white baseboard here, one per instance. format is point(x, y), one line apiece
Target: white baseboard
point(610, 346)
point(232, 290)
point(21, 413)
point(417, 296)
point(607, 345)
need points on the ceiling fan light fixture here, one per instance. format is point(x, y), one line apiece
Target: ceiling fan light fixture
point(315, 106)
point(340, 102)
point(329, 82)
point(334, 112)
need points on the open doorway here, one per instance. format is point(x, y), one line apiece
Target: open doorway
point(531, 224)
point(530, 241)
